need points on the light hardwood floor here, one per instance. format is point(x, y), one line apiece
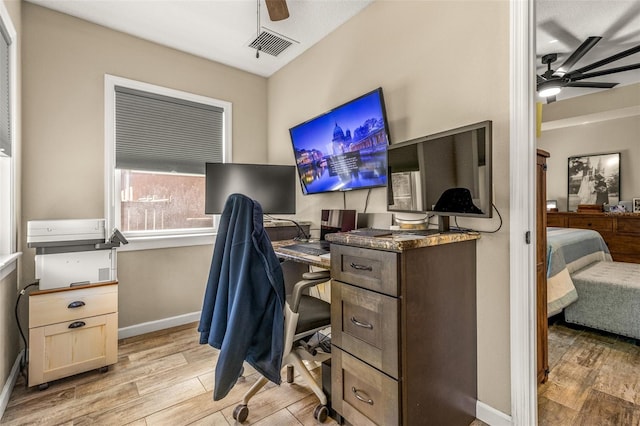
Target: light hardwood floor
point(161, 378)
point(594, 379)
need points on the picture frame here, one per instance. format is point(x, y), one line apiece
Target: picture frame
point(636, 205)
point(593, 180)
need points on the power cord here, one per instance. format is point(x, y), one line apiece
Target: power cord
point(23, 362)
point(482, 232)
point(300, 230)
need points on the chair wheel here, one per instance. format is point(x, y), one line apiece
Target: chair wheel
point(43, 386)
point(289, 373)
point(320, 413)
point(104, 369)
point(240, 413)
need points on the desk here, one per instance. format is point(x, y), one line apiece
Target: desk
point(296, 256)
point(403, 327)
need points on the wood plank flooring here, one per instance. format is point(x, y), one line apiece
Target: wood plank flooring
point(161, 378)
point(594, 379)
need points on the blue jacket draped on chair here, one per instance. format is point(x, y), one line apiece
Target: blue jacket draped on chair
point(242, 313)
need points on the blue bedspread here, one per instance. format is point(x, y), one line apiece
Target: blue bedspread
point(569, 250)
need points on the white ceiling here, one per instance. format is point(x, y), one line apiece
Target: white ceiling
point(220, 30)
point(562, 25)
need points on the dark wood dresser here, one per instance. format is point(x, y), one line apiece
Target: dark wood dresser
point(404, 333)
point(621, 231)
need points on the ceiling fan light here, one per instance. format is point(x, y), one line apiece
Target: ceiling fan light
point(549, 91)
point(549, 88)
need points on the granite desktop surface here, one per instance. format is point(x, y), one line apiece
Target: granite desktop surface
point(402, 242)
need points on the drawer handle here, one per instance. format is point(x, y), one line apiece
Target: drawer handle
point(77, 324)
point(361, 267)
point(365, 398)
point(76, 304)
point(361, 324)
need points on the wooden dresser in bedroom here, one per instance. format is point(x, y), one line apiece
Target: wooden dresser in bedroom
point(619, 230)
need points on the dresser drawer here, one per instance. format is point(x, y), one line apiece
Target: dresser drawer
point(373, 269)
point(365, 324)
point(556, 220)
point(600, 224)
point(60, 306)
point(361, 394)
point(629, 225)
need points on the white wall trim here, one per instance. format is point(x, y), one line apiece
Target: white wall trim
point(9, 384)
point(524, 408)
point(161, 324)
point(491, 416)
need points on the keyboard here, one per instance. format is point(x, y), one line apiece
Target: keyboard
point(316, 248)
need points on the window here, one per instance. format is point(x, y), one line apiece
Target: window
point(157, 143)
point(8, 90)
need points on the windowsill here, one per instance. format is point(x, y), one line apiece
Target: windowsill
point(167, 241)
point(8, 263)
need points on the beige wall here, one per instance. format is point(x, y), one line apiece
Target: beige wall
point(9, 340)
point(441, 64)
point(604, 122)
point(64, 62)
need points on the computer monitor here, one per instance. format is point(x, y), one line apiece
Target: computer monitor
point(337, 221)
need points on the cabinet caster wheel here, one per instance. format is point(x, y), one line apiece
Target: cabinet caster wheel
point(240, 413)
point(43, 386)
point(104, 369)
point(320, 413)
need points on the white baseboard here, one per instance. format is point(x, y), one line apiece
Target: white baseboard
point(491, 416)
point(148, 327)
point(9, 384)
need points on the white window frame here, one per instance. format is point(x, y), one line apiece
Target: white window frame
point(8, 182)
point(177, 238)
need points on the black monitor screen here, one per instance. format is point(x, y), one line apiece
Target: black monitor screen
point(273, 186)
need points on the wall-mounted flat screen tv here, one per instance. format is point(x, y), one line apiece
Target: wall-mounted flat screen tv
point(448, 173)
point(273, 186)
point(343, 149)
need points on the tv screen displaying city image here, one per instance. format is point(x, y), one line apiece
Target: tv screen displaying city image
point(343, 149)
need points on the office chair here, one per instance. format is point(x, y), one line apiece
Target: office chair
point(247, 315)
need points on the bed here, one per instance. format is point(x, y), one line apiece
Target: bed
point(568, 251)
point(591, 289)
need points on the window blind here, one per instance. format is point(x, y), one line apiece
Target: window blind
point(5, 100)
point(165, 134)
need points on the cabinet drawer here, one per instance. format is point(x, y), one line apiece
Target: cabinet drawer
point(629, 225)
point(556, 220)
point(373, 269)
point(365, 324)
point(362, 394)
point(600, 224)
point(67, 348)
point(61, 306)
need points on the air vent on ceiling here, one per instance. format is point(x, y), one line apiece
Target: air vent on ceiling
point(271, 43)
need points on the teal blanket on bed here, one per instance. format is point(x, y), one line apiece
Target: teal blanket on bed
point(569, 250)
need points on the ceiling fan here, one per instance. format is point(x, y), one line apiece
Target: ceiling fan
point(552, 81)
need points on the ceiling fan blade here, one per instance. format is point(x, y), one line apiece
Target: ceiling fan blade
point(576, 55)
point(576, 77)
point(540, 79)
point(605, 61)
point(593, 84)
point(277, 9)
